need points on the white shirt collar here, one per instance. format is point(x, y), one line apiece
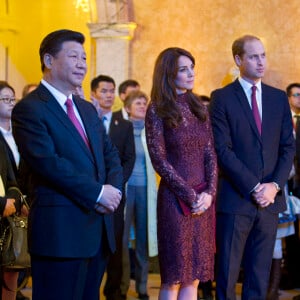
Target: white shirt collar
point(108, 116)
point(247, 85)
point(6, 132)
point(59, 96)
point(125, 113)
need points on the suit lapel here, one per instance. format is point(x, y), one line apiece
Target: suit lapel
point(267, 119)
point(114, 124)
point(246, 107)
point(61, 115)
point(89, 129)
point(10, 154)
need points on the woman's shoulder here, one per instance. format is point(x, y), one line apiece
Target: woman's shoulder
point(151, 110)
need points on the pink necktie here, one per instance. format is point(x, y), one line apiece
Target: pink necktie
point(76, 123)
point(255, 110)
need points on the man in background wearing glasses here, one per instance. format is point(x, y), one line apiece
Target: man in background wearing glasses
point(293, 241)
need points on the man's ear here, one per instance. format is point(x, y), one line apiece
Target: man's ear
point(237, 60)
point(48, 60)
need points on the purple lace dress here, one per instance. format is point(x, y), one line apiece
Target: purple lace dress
point(183, 157)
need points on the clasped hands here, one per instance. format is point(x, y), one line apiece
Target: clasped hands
point(109, 201)
point(202, 203)
point(264, 194)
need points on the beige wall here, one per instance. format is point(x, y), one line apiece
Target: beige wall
point(23, 24)
point(204, 27)
point(207, 29)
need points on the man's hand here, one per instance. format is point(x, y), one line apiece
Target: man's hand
point(264, 194)
point(109, 200)
point(9, 207)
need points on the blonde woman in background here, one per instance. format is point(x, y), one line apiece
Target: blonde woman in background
point(141, 199)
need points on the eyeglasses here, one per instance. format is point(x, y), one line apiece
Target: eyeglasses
point(8, 100)
point(296, 95)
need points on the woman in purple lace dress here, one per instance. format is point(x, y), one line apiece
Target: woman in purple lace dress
point(180, 144)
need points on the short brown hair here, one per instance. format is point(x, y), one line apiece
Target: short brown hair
point(134, 95)
point(238, 44)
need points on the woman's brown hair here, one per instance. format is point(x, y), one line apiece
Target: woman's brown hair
point(163, 92)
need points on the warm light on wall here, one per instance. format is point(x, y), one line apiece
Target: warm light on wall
point(87, 7)
point(84, 5)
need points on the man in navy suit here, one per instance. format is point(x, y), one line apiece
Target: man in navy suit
point(255, 147)
point(120, 132)
point(76, 176)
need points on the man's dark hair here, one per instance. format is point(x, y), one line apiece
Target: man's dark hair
point(125, 84)
point(52, 43)
point(291, 86)
point(5, 84)
point(95, 82)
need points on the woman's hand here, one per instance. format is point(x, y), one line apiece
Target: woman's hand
point(9, 207)
point(203, 202)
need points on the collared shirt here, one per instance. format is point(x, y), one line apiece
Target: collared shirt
point(125, 114)
point(247, 87)
point(8, 136)
point(107, 121)
point(61, 99)
point(294, 120)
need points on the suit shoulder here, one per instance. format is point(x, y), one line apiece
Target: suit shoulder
point(226, 89)
point(272, 89)
point(118, 114)
point(224, 95)
point(116, 118)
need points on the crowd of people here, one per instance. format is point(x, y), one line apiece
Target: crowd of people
point(224, 165)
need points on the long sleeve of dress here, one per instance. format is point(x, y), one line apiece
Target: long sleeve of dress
point(183, 156)
point(155, 135)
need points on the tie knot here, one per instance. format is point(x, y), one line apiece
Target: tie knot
point(104, 118)
point(254, 87)
point(69, 103)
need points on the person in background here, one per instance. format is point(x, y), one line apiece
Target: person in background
point(292, 242)
point(125, 88)
point(140, 208)
point(28, 88)
point(120, 132)
point(285, 228)
point(180, 143)
point(77, 176)
point(254, 142)
point(7, 102)
point(10, 203)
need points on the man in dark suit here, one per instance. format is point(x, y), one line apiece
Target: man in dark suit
point(121, 133)
point(254, 142)
point(76, 176)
